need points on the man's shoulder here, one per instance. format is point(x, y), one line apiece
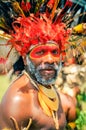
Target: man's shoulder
point(20, 81)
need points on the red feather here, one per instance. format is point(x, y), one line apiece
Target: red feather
point(32, 31)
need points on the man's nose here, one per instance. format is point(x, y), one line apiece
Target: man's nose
point(49, 58)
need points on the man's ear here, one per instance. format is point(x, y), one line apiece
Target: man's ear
point(24, 60)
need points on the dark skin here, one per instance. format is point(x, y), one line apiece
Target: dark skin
point(69, 106)
point(20, 102)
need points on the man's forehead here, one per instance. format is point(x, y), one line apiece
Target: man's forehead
point(48, 44)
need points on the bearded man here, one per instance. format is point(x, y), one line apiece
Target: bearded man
point(32, 97)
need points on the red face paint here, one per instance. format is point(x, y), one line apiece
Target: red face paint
point(43, 50)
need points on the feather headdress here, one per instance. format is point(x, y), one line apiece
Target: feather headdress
point(25, 23)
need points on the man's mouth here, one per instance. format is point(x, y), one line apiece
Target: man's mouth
point(47, 73)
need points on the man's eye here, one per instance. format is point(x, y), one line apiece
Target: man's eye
point(40, 52)
point(55, 52)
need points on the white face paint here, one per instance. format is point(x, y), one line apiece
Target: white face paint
point(40, 73)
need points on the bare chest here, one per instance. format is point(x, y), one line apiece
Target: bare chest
point(34, 112)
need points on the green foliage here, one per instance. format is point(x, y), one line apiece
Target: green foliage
point(81, 113)
point(4, 84)
point(81, 120)
point(82, 96)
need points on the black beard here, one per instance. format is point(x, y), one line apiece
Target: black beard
point(35, 72)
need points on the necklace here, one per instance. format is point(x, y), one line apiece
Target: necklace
point(48, 100)
point(49, 96)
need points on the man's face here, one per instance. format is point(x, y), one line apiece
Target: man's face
point(43, 63)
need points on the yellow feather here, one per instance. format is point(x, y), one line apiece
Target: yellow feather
point(78, 28)
point(17, 8)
